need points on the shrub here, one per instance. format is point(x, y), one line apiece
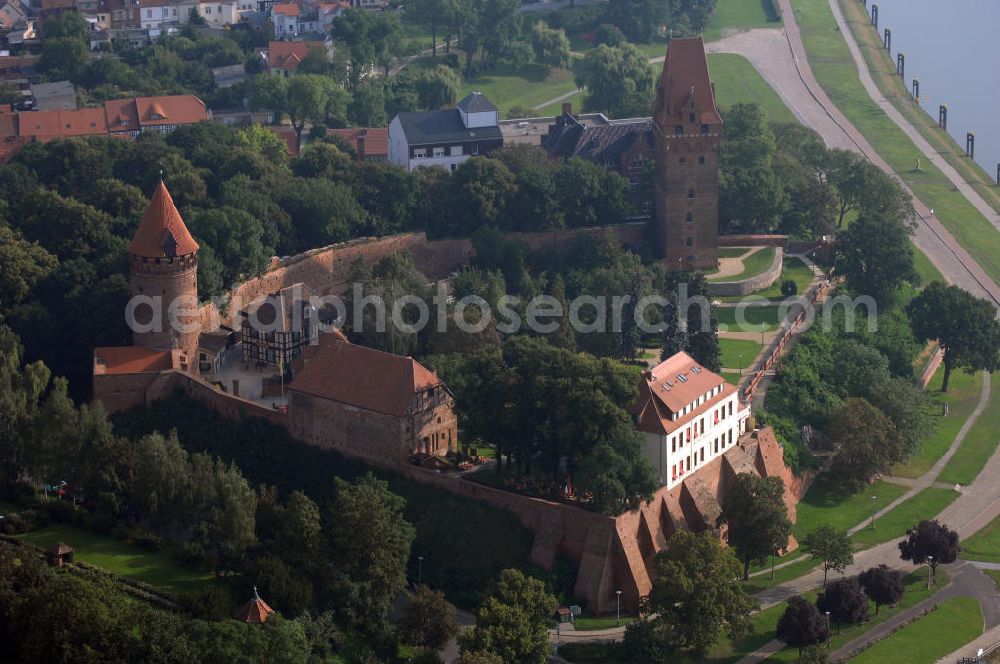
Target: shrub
point(789, 288)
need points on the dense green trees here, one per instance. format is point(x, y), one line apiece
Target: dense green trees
point(512, 622)
point(866, 441)
point(802, 625)
point(883, 585)
point(963, 325)
point(695, 600)
point(751, 198)
point(755, 511)
point(618, 80)
point(845, 601)
point(428, 620)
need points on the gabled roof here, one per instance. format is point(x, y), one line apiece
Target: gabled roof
point(428, 127)
point(376, 139)
point(476, 102)
point(277, 311)
point(131, 360)
point(363, 377)
point(671, 386)
point(603, 144)
point(288, 54)
point(162, 233)
point(286, 9)
point(45, 125)
point(170, 110)
point(685, 75)
point(254, 611)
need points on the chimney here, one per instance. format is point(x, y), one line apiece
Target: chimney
point(567, 108)
point(362, 135)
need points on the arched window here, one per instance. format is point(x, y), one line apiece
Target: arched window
point(690, 193)
point(701, 159)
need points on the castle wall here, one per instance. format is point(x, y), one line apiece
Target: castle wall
point(752, 284)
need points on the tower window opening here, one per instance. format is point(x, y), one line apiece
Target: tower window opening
point(690, 193)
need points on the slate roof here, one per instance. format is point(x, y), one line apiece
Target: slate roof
point(363, 377)
point(602, 144)
point(476, 102)
point(162, 233)
point(431, 127)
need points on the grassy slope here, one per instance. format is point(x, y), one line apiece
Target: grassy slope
point(883, 71)
point(979, 444)
point(526, 87)
point(793, 269)
point(985, 544)
point(738, 15)
point(754, 264)
point(955, 622)
point(833, 66)
point(730, 349)
point(925, 268)
point(962, 397)
point(755, 318)
point(157, 568)
point(737, 81)
point(926, 504)
point(825, 504)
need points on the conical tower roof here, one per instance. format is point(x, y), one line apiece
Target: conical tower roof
point(254, 611)
point(162, 233)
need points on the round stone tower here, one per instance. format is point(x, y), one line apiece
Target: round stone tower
point(164, 274)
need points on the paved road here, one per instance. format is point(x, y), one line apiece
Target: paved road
point(780, 58)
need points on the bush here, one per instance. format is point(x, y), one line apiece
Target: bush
point(789, 288)
point(212, 603)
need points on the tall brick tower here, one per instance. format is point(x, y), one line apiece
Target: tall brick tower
point(164, 263)
point(689, 133)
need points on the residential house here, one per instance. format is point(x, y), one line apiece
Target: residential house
point(369, 143)
point(284, 57)
point(445, 138)
point(160, 16)
point(50, 8)
point(370, 404)
point(277, 327)
point(218, 13)
point(687, 415)
point(369, 4)
point(229, 75)
point(11, 13)
point(56, 96)
point(327, 12)
point(22, 32)
point(285, 17)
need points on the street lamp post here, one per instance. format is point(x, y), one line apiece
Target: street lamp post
point(930, 566)
point(420, 569)
point(874, 498)
point(772, 564)
point(618, 610)
point(828, 632)
point(740, 355)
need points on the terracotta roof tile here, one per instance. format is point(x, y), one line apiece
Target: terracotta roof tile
point(376, 139)
point(162, 233)
point(363, 377)
point(286, 9)
point(288, 54)
point(254, 611)
point(685, 70)
point(131, 360)
point(170, 110)
point(671, 386)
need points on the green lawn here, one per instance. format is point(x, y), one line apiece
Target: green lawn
point(755, 318)
point(826, 504)
point(955, 622)
point(833, 66)
point(984, 544)
point(882, 66)
point(980, 442)
point(736, 81)
point(157, 568)
point(732, 252)
point(925, 505)
point(738, 15)
point(526, 87)
point(783, 575)
point(733, 378)
point(586, 623)
point(915, 585)
point(754, 264)
point(962, 397)
point(928, 273)
point(797, 271)
point(731, 348)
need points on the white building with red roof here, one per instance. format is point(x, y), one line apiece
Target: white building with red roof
point(688, 416)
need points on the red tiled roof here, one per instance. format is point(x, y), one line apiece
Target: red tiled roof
point(685, 71)
point(170, 110)
point(669, 387)
point(288, 136)
point(254, 611)
point(288, 54)
point(162, 233)
point(286, 9)
point(131, 359)
point(46, 125)
point(376, 139)
point(363, 377)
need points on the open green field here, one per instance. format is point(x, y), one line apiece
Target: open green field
point(962, 397)
point(980, 442)
point(801, 566)
point(915, 585)
point(736, 81)
point(883, 71)
point(955, 622)
point(738, 15)
point(833, 66)
point(526, 87)
point(755, 318)
point(826, 505)
point(157, 568)
point(732, 377)
point(586, 623)
point(925, 505)
point(732, 252)
point(984, 544)
point(928, 273)
point(731, 348)
point(797, 271)
point(753, 264)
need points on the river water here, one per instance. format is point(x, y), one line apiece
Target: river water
point(953, 48)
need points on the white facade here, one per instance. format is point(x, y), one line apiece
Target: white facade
point(714, 428)
point(285, 25)
point(483, 119)
point(220, 13)
point(448, 156)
